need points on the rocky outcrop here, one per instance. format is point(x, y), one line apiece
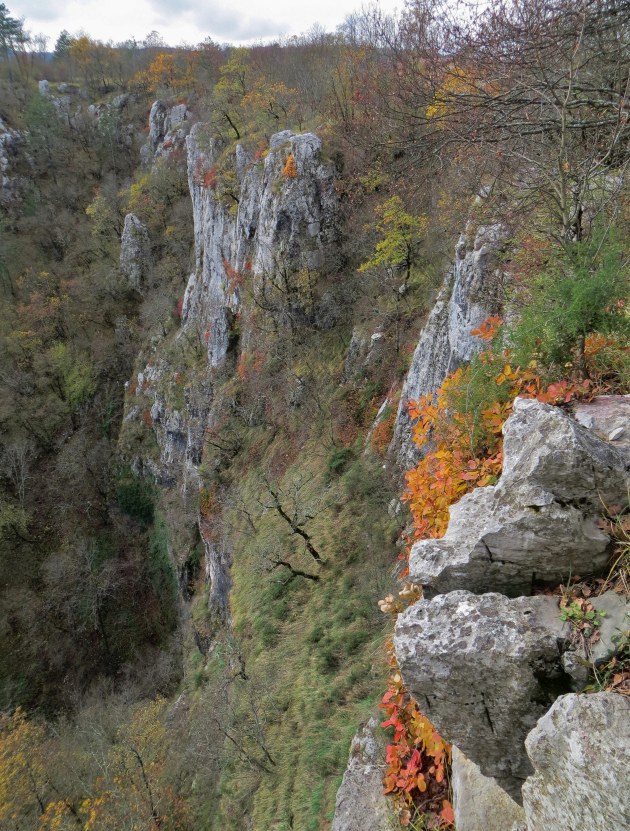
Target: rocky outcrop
point(168, 127)
point(472, 292)
point(478, 802)
point(258, 222)
point(484, 669)
point(581, 754)
point(267, 229)
point(361, 804)
point(11, 142)
point(539, 523)
point(135, 252)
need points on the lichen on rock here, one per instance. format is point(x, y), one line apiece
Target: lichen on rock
point(580, 751)
point(539, 523)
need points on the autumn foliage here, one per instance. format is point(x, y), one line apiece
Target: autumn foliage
point(461, 426)
point(290, 167)
point(417, 759)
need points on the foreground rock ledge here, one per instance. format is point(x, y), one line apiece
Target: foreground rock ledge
point(484, 669)
point(581, 753)
point(479, 803)
point(539, 522)
point(361, 804)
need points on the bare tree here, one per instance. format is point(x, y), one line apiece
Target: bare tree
point(17, 459)
point(294, 510)
point(536, 90)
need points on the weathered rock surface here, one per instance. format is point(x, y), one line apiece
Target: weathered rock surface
point(361, 804)
point(282, 224)
point(484, 669)
point(135, 252)
point(471, 293)
point(608, 416)
point(11, 142)
point(168, 128)
point(479, 803)
point(580, 751)
point(544, 447)
point(539, 522)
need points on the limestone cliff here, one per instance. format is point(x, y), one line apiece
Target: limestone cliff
point(260, 225)
point(471, 292)
point(273, 224)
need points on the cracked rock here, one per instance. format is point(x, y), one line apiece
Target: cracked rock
point(484, 669)
point(539, 523)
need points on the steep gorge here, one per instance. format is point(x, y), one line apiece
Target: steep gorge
point(237, 519)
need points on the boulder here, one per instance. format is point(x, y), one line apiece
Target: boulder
point(539, 523)
point(546, 448)
point(580, 751)
point(484, 669)
point(479, 803)
point(361, 804)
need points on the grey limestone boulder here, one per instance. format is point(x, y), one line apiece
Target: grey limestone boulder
point(479, 803)
point(484, 669)
point(544, 447)
point(580, 751)
point(539, 523)
point(361, 804)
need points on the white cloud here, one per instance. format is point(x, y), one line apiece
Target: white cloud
point(187, 21)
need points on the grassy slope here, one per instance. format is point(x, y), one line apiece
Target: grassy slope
point(313, 651)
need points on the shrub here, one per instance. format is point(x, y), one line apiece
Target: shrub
point(582, 290)
point(136, 497)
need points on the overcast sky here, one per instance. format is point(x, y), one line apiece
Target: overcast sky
point(184, 21)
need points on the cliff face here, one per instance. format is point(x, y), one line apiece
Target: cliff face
point(471, 292)
point(260, 228)
point(281, 218)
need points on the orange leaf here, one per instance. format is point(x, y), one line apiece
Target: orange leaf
point(447, 813)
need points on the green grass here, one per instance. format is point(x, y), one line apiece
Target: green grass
point(313, 650)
